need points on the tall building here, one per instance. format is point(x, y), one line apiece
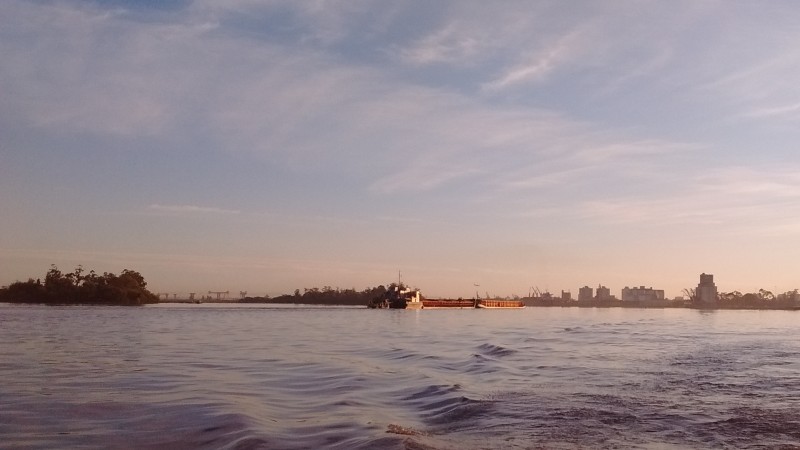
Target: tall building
point(585, 294)
point(603, 293)
point(642, 294)
point(706, 291)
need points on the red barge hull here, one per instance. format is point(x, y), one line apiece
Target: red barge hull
point(442, 304)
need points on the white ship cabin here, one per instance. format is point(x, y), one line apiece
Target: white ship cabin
point(411, 295)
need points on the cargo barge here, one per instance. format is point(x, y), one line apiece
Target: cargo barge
point(500, 304)
point(400, 297)
point(442, 304)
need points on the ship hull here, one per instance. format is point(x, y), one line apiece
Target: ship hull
point(500, 304)
point(447, 304)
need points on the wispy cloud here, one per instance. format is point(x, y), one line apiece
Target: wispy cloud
point(612, 150)
point(763, 184)
point(423, 178)
point(191, 209)
point(451, 44)
point(540, 65)
point(761, 89)
point(735, 200)
point(536, 178)
point(788, 111)
point(189, 262)
point(60, 71)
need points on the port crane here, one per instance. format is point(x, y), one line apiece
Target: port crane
point(220, 294)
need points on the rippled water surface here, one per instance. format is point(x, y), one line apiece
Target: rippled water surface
point(211, 376)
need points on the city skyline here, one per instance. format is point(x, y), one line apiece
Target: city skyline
point(264, 147)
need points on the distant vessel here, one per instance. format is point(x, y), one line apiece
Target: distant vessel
point(398, 297)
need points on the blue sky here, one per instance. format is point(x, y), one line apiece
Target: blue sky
point(273, 145)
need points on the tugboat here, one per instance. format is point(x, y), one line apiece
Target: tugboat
point(398, 297)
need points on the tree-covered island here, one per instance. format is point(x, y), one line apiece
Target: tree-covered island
point(81, 288)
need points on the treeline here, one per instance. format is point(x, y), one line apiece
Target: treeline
point(763, 299)
point(79, 287)
point(325, 296)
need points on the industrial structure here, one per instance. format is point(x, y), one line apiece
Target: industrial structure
point(221, 295)
point(706, 291)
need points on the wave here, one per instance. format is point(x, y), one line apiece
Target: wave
point(495, 350)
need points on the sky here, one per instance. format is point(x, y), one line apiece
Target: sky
point(266, 146)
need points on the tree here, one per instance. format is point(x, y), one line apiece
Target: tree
point(56, 285)
point(751, 299)
point(134, 277)
point(76, 277)
point(26, 292)
point(730, 298)
point(764, 294)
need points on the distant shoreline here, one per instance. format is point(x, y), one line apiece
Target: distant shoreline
point(358, 306)
point(530, 305)
point(130, 288)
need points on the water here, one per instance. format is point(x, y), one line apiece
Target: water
point(204, 376)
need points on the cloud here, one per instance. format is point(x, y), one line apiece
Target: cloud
point(421, 178)
point(764, 184)
point(89, 70)
point(297, 104)
point(738, 200)
point(541, 65)
point(754, 79)
point(451, 44)
point(528, 178)
point(191, 209)
point(788, 111)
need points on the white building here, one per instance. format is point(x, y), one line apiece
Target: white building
point(642, 294)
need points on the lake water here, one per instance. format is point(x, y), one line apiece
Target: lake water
point(252, 376)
